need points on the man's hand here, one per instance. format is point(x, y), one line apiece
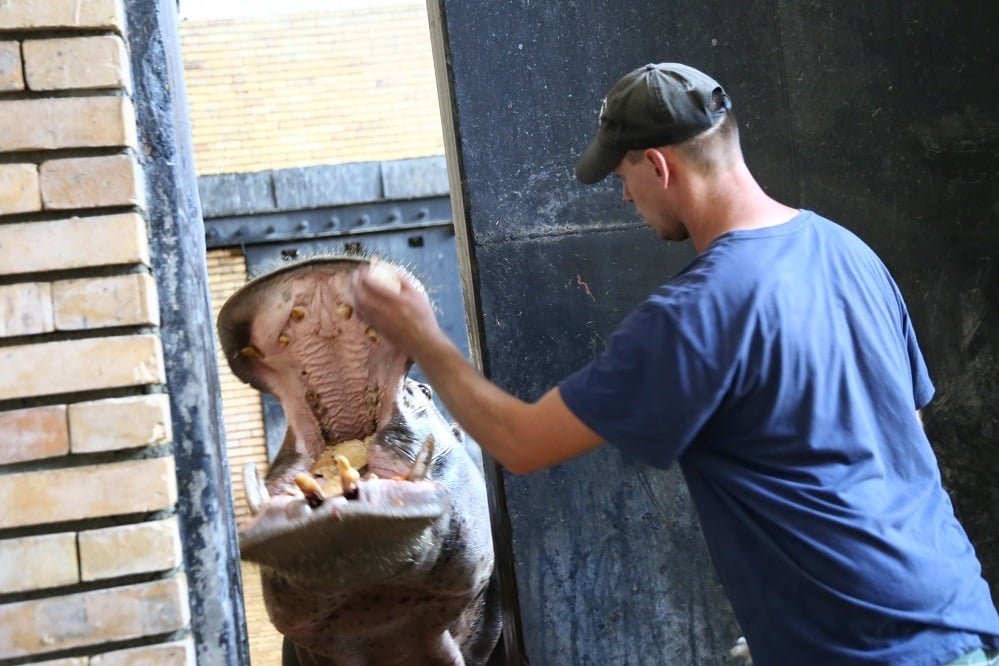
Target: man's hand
point(521, 436)
point(403, 316)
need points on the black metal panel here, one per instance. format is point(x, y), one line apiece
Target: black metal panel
point(207, 523)
point(315, 223)
point(428, 252)
point(610, 562)
point(528, 95)
point(878, 115)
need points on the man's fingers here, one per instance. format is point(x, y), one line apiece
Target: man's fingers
point(384, 277)
point(377, 289)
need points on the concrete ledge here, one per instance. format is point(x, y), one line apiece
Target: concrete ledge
point(228, 195)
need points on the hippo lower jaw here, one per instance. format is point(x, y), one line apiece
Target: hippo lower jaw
point(303, 533)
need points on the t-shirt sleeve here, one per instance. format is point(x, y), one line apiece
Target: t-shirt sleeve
point(658, 380)
point(922, 386)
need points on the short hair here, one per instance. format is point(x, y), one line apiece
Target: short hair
point(713, 149)
point(710, 151)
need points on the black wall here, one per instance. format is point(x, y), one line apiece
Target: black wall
point(878, 115)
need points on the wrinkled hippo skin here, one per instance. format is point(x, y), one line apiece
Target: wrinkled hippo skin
point(394, 565)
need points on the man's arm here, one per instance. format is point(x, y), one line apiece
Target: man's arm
point(521, 436)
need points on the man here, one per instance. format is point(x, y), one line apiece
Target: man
point(782, 373)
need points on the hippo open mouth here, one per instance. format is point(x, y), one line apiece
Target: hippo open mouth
point(371, 527)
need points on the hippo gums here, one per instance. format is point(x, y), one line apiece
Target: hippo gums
point(371, 529)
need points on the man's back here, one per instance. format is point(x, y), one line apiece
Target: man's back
point(781, 369)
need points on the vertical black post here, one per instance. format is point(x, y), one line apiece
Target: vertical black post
point(176, 230)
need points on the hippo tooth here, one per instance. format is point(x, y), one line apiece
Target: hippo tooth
point(251, 352)
point(371, 333)
point(284, 340)
point(311, 489)
point(348, 475)
point(298, 313)
point(421, 465)
point(257, 497)
point(344, 311)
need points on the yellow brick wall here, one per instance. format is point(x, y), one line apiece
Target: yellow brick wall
point(338, 86)
point(244, 427)
point(244, 420)
point(90, 553)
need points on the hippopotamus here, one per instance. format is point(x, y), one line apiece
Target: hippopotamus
point(371, 527)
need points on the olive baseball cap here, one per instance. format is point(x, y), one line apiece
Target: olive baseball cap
point(654, 105)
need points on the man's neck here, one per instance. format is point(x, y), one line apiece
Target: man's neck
point(733, 202)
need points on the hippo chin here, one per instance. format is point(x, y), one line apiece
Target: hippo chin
point(371, 528)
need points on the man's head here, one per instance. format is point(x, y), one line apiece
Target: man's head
point(652, 106)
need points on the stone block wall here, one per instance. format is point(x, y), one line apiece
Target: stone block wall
point(91, 570)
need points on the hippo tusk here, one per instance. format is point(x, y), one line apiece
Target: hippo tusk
point(310, 488)
point(421, 465)
point(348, 476)
point(257, 497)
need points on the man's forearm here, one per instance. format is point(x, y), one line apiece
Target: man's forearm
point(487, 413)
point(521, 436)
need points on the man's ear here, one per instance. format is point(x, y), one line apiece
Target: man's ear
point(658, 161)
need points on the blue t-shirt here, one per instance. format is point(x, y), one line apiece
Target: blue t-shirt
point(781, 370)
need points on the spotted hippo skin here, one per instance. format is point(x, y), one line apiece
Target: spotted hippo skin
point(371, 528)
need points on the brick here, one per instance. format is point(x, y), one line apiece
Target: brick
point(26, 309)
point(107, 240)
point(76, 62)
point(92, 491)
point(33, 434)
point(19, 188)
point(119, 423)
point(80, 365)
point(93, 618)
point(11, 75)
point(90, 182)
point(180, 653)
point(129, 549)
point(38, 562)
point(67, 122)
point(20, 14)
point(121, 300)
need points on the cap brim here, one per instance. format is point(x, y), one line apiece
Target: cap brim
point(597, 161)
